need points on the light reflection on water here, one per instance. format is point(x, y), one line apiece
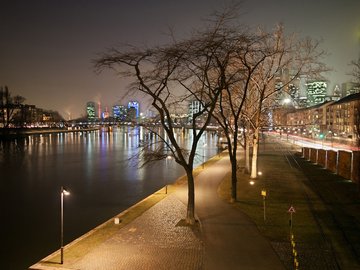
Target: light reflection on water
point(98, 170)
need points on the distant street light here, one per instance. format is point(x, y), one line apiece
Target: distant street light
point(63, 192)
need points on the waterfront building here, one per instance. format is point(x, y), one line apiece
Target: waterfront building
point(332, 119)
point(344, 117)
point(312, 120)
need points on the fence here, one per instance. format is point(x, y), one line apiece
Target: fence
point(343, 163)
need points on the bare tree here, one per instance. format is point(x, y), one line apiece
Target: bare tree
point(171, 75)
point(273, 53)
point(254, 62)
point(232, 100)
point(226, 78)
point(8, 105)
point(355, 70)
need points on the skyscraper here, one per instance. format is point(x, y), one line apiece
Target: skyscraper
point(119, 112)
point(136, 106)
point(316, 92)
point(349, 88)
point(91, 111)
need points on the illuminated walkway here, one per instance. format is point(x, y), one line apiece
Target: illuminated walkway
point(226, 238)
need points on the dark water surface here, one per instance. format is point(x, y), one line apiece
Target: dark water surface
point(93, 166)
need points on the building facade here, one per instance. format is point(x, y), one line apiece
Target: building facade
point(333, 119)
point(316, 92)
point(349, 88)
point(119, 112)
point(136, 106)
point(91, 111)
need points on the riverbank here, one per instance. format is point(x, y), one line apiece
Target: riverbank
point(159, 203)
point(324, 234)
point(94, 166)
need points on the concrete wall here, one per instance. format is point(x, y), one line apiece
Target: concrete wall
point(306, 153)
point(344, 164)
point(355, 173)
point(321, 158)
point(313, 155)
point(331, 161)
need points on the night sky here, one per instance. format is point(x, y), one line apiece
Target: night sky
point(46, 47)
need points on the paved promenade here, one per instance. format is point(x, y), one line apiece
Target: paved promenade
point(225, 238)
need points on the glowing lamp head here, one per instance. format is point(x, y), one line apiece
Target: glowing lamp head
point(64, 191)
point(287, 100)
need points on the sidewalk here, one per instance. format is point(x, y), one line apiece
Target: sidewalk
point(152, 241)
point(226, 239)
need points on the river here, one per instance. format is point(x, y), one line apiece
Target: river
point(93, 166)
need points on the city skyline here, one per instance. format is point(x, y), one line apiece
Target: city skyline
point(48, 46)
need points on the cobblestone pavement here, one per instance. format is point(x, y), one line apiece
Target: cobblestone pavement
point(152, 241)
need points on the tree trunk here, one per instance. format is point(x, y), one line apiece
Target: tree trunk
point(255, 154)
point(247, 156)
point(190, 213)
point(233, 178)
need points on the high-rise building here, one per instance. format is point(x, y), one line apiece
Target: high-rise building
point(119, 112)
point(195, 106)
point(105, 114)
point(336, 94)
point(91, 111)
point(136, 106)
point(316, 92)
point(349, 88)
point(99, 110)
point(287, 87)
point(131, 114)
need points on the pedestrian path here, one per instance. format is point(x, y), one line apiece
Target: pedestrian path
point(152, 241)
point(157, 239)
point(231, 239)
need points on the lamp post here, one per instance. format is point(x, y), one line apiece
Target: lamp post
point(165, 182)
point(204, 145)
point(220, 146)
point(63, 192)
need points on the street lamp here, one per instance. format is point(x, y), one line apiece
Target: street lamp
point(203, 165)
point(263, 194)
point(286, 101)
point(63, 192)
point(165, 182)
